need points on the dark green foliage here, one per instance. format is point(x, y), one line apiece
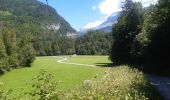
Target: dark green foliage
point(152, 43)
point(26, 52)
point(159, 48)
point(143, 37)
point(119, 51)
point(67, 46)
point(124, 32)
point(94, 43)
point(3, 55)
point(10, 43)
point(53, 44)
point(14, 52)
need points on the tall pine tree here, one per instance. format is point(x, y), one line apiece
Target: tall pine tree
point(3, 55)
point(125, 31)
point(10, 42)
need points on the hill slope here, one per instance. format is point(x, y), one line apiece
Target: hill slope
point(39, 23)
point(37, 12)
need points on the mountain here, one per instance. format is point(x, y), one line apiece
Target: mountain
point(107, 25)
point(37, 13)
point(38, 23)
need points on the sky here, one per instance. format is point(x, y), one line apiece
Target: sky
point(88, 13)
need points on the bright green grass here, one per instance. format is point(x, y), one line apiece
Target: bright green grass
point(69, 75)
point(92, 60)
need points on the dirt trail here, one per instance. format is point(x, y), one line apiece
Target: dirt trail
point(162, 84)
point(65, 59)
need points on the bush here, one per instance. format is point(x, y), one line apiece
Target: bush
point(120, 83)
point(5, 94)
point(43, 87)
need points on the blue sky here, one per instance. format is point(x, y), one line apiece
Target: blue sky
point(88, 13)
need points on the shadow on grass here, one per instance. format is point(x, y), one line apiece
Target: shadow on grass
point(1, 72)
point(104, 64)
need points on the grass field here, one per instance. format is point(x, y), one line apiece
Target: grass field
point(121, 82)
point(92, 60)
point(69, 75)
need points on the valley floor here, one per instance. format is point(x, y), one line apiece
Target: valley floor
point(72, 71)
point(69, 75)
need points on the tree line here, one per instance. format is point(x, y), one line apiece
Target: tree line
point(94, 43)
point(142, 35)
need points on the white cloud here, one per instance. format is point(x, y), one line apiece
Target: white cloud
point(94, 8)
point(93, 24)
point(107, 7)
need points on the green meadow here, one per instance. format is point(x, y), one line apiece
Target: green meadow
point(77, 82)
point(69, 76)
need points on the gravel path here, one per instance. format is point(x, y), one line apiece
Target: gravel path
point(65, 59)
point(162, 84)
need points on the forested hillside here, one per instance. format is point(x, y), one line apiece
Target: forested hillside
point(94, 43)
point(35, 12)
point(38, 21)
point(29, 28)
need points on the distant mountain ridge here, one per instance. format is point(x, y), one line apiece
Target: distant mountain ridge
point(106, 26)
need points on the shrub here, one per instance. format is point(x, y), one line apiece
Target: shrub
point(120, 83)
point(43, 87)
point(5, 94)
